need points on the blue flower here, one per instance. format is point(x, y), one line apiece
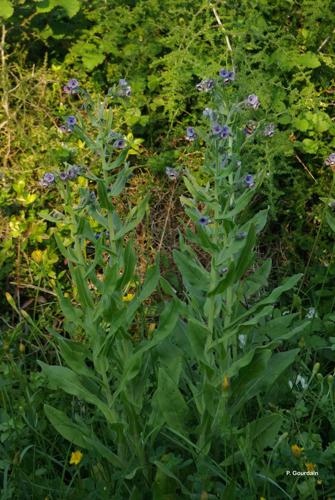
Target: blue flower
point(190, 134)
point(228, 76)
point(241, 235)
point(71, 121)
point(269, 130)
point(63, 176)
point(205, 85)
point(171, 173)
point(73, 84)
point(124, 88)
point(208, 113)
point(71, 87)
point(119, 144)
point(63, 129)
point(224, 132)
point(47, 179)
point(73, 172)
point(253, 101)
point(216, 129)
point(203, 220)
point(330, 160)
point(249, 180)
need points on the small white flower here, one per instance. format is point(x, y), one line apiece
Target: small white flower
point(302, 381)
point(242, 340)
point(311, 313)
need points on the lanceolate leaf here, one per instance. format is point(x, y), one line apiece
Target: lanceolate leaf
point(80, 435)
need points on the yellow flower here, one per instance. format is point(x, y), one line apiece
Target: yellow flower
point(128, 297)
point(296, 450)
point(22, 348)
point(262, 498)
point(310, 467)
point(225, 383)
point(76, 457)
point(37, 256)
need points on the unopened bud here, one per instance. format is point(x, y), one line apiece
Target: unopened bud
point(316, 368)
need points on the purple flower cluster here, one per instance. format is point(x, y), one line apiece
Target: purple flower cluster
point(190, 134)
point(330, 161)
point(205, 85)
point(221, 131)
point(228, 76)
point(72, 87)
point(124, 88)
point(252, 101)
point(69, 175)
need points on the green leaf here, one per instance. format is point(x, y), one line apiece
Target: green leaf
point(60, 377)
point(171, 403)
point(73, 314)
point(258, 279)
point(225, 282)
point(118, 162)
point(247, 254)
point(330, 221)
point(84, 293)
point(278, 364)
point(79, 435)
point(191, 271)
point(134, 218)
point(308, 60)
point(120, 182)
point(263, 432)
point(277, 292)
point(68, 429)
point(250, 379)
point(198, 336)
point(6, 9)
point(74, 355)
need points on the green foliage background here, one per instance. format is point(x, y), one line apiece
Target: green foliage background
point(283, 49)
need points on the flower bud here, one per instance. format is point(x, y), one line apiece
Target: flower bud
point(225, 383)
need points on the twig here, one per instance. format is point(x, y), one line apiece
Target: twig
point(26, 285)
point(166, 218)
point(326, 40)
point(221, 26)
point(5, 100)
point(305, 167)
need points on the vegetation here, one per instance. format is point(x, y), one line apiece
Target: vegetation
point(166, 252)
